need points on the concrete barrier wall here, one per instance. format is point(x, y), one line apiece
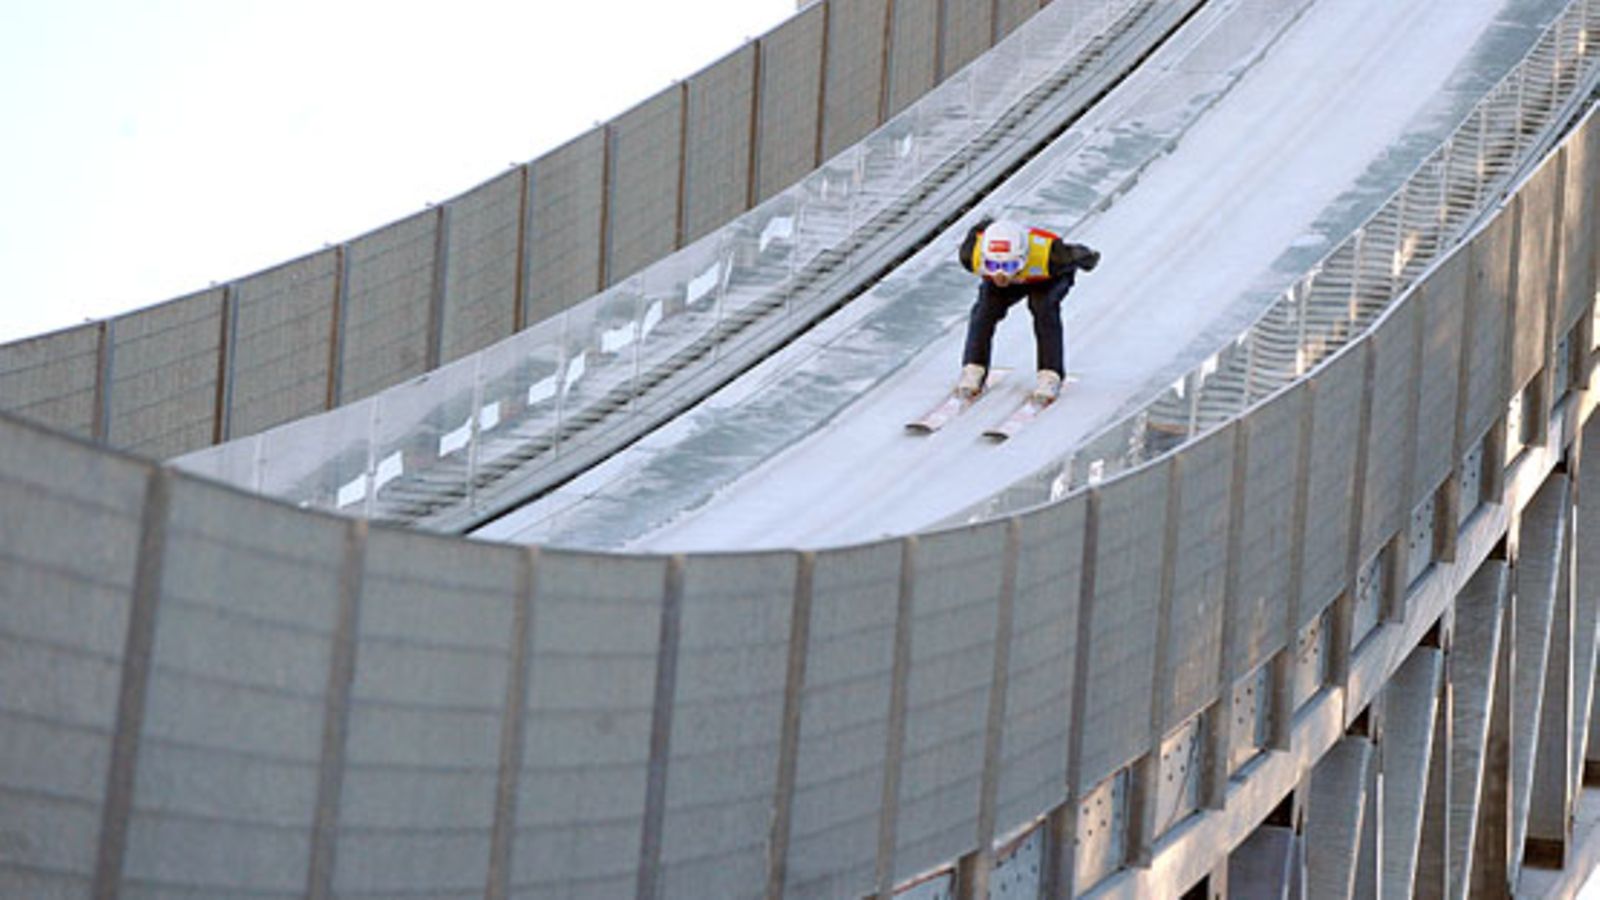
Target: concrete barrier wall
point(564, 242)
point(1010, 14)
point(208, 693)
point(789, 93)
point(718, 143)
point(1440, 375)
point(280, 343)
point(956, 603)
point(1537, 207)
point(643, 185)
point(1040, 675)
point(965, 31)
point(1392, 351)
point(386, 307)
point(913, 66)
point(71, 540)
point(835, 821)
point(1263, 585)
point(433, 657)
point(56, 379)
point(713, 771)
point(162, 381)
point(1118, 623)
point(225, 797)
point(517, 249)
point(1330, 480)
point(1488, 339)
point(1580, 215)
point(482, 265)
point(1194, 597)
point(852, 87)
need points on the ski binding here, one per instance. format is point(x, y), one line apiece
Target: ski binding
point(1023, 414)
point(953, 405)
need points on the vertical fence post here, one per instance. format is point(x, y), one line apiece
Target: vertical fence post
point(894, 751)
point(1214, 785)
point(519, 290)
point(1400, 562)
point(336, 326)
point(133, 691)
point(1065, 838)
point(100, 426)
point(513, 727)
point(648, 883)
point(1146, 775)
point(437, 309)
point(974, 870)
point(336, 715)
point(223, 409)
point(789, 735)
point(1341, 639)
point(1285, 662)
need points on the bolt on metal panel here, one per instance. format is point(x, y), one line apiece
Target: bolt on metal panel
point(1101, 840)
point(1179, 775)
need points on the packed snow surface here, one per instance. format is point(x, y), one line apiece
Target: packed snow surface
point(1232, 161)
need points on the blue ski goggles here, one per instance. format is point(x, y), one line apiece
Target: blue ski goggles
point(1002, 266)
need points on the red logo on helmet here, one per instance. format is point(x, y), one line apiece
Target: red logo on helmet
point(999, 246)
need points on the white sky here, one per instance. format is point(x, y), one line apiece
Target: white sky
point(149, 148)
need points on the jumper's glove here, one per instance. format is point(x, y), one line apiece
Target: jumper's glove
point(983, 223)
point(1088, 259)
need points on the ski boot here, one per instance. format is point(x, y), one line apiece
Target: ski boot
point(1048, 387)
point(970, 384)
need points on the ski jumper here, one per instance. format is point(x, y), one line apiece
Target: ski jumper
point(1045, 277)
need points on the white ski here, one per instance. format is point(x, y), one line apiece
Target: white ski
point(1022, 415)
point(953, 405)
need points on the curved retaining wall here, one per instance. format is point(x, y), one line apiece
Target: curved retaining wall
point(341, 323)
point(206, 693)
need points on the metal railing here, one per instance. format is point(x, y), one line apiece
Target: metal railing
point(481, 434)
point(1454, 189)
point(217, 694)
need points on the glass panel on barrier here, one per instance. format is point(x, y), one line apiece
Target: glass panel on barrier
point(945, 117)
point(520, 403)
point(236, 462)
point(1044, 486)
point(748, 273)
point(763, 254)
point(322, 462)
point(1329, 315)
point(422, 442)
point(1422, 219)
point(1108, 454)
point(1221, 384)
point(1169, 420)
point(681, 305)
point(1274, 350)
point(888, 159)
point(601, 340)
point(995, 80)
point(823, 227)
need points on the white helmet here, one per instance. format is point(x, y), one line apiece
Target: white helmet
point(1005, 242)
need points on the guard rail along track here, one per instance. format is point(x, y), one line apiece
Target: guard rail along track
point(1340, 297)
point(457, 446)
point(1355, 652)
point(1399, 701)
